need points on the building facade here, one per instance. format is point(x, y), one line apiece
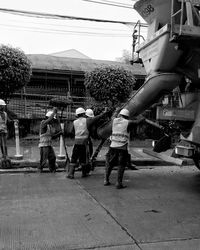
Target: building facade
point(54, 76)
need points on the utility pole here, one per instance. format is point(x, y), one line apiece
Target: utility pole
point(136, 40)
point(134, 43)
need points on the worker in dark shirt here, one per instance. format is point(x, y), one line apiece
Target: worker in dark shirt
point(80, 152)
point(118, 150)
point(47, 153)
point(90, 115)
point(3, 128)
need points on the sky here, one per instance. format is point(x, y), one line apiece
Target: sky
point(97, 40)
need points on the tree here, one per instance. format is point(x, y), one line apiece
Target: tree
point(126, 57)
point(15, 70)
point(109, 85)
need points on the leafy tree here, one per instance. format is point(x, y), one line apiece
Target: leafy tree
point(15, 70)
point(109, 86)
point(126, 57)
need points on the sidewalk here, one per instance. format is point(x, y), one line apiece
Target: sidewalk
point(30, 153)
point(31, 156)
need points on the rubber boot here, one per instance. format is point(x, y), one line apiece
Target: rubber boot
point(108, 170)
point(129, 163)
point(85, 170)
point(71, 171)
point(88, 169)
point(120, 175)
point(52, 167)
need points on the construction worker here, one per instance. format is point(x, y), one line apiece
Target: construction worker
point(118, 150)
point(45, 144)
point(80, 152)
point(90, 114)
point(3, 128)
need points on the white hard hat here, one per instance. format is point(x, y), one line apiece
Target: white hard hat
point(124, 112)
point(89, 112)
point(49, 113)
point(80, 111)
point(2, 102)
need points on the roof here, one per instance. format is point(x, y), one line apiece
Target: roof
point(48, 62)
point(73, 53)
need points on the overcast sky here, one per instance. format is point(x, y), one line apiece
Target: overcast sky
point(104, 41)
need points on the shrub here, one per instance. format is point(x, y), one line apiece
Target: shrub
point(15, 70)
point(109, 85)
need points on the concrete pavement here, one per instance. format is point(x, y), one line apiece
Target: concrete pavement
point(48, 211)
point(159, 210)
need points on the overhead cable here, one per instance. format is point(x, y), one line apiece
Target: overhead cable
point(60, 31)
point(56, 16)
point(60, 25)
point(111, 3)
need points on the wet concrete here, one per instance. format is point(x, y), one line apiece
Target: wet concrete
point(31, 156)
point(31, 152)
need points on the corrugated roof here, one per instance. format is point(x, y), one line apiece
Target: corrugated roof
point(48, 62)
point(73, 53)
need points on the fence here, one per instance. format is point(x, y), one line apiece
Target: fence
point(34, 106)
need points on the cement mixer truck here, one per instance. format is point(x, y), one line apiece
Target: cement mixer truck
point(171, 57)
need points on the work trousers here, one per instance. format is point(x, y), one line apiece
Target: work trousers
point(90, 145)
point(80, 155)
point(116, 157)
point(3, 144)
point(47, 154)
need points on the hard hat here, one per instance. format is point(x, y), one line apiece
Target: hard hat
point(124, 112)
point(89, 112)
point(2, 102)
point(80, 111)
point(49, 113)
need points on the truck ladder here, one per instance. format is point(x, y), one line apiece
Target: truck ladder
point(189, 29)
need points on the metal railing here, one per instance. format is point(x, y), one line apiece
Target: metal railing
point(174, 15)
point(34, 106)
point(188, 10)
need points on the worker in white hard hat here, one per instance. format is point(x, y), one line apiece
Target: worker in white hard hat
point(90, 114)
point(118, 149)
point(81, 128)
point(3, 128)
point(47, 133)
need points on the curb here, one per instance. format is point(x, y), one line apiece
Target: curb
point(30, 166)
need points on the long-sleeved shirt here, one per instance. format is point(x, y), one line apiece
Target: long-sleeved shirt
point(90, 121)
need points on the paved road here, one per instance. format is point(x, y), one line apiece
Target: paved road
point(158, 210)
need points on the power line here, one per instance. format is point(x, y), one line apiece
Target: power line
point(62, 25)
point(116, 4)
point(83, 33)
point(56, 16)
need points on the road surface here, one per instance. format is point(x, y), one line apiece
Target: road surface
point(160, 209)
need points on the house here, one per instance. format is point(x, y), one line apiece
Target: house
point(58, 75)
point(72, 53)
